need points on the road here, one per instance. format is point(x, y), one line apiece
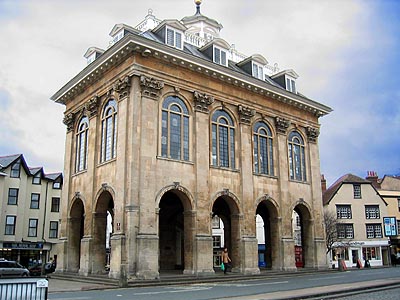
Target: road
point(282, 287)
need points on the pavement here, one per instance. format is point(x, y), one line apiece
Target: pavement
point(71, 282)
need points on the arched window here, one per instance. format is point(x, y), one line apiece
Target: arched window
point(109, 131)
point(263, 149)
point(223, 140)
point(175, 129)
point(82, 144)
point(297, 160)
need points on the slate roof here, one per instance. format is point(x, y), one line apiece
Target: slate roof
point(345, 179)
point(53, 176)
point(6, 161)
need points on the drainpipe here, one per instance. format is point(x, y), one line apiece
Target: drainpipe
point(45, 212)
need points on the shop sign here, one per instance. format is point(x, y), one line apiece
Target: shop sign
point(27, 246)
point(390, 226)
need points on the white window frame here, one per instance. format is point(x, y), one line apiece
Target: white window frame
point(259, 68)
point(220, 60)
point(119, 35)
point(175, 34)
point(290, 84)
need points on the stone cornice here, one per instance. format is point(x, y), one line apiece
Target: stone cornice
point(134, 43)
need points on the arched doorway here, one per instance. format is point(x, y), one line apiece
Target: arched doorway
point(267, 234)
point(102, 228)
point(226, 210)
point(302, 235)
point(175, 232)
point(76, 227)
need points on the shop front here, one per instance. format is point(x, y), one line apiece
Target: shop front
point(361, 254)
point(26, 253)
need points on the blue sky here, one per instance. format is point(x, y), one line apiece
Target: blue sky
point(346, 52)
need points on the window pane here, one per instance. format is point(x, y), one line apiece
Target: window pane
point(223, 147)
point(178, 40)
point(13, 196)
point(170, 37)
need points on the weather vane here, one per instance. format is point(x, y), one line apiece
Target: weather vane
point(197, 2)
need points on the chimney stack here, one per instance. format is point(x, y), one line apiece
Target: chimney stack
point(323, 183)
point(373, 177)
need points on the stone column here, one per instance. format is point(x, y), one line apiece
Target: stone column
point(287, 242)
point(66, 196)
point(85, 259)
point(249, 260)
point(318, 242)
point(147, 238)
point(249, 245)
point(235, 247)
point(98, 251)
point(122, 87)
point(203, 250)
point(189, 234)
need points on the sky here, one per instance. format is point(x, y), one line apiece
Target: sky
point(346, 52)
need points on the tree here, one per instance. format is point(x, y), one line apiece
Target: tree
point(331, 223)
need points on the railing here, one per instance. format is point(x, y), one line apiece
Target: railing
point(23, 289)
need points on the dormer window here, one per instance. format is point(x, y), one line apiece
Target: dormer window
point(220, 56)
point(37, 178)
point(92, 54)
point(290, 85)
point(287, 80)
point(118, 36)
point(258, 71)
point(173, 38)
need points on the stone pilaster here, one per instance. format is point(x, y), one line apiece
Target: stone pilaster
point(117, 256)
point(147, 258)
point(249, 255)
point(86, 255)
point(204, 251)
point(288, 260)
point(61, 249)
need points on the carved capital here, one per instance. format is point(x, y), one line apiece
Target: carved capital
point(92, 106)
point(312, 134)
point(281, 124)
point(151, 87)
point(245, 114)
point(69, 120)
point(202, 101)
point(122, 86)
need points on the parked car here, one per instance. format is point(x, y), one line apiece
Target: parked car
point(9, 268)
point(36, 270)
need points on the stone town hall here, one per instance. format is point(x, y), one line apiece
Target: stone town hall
point(170, 127)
